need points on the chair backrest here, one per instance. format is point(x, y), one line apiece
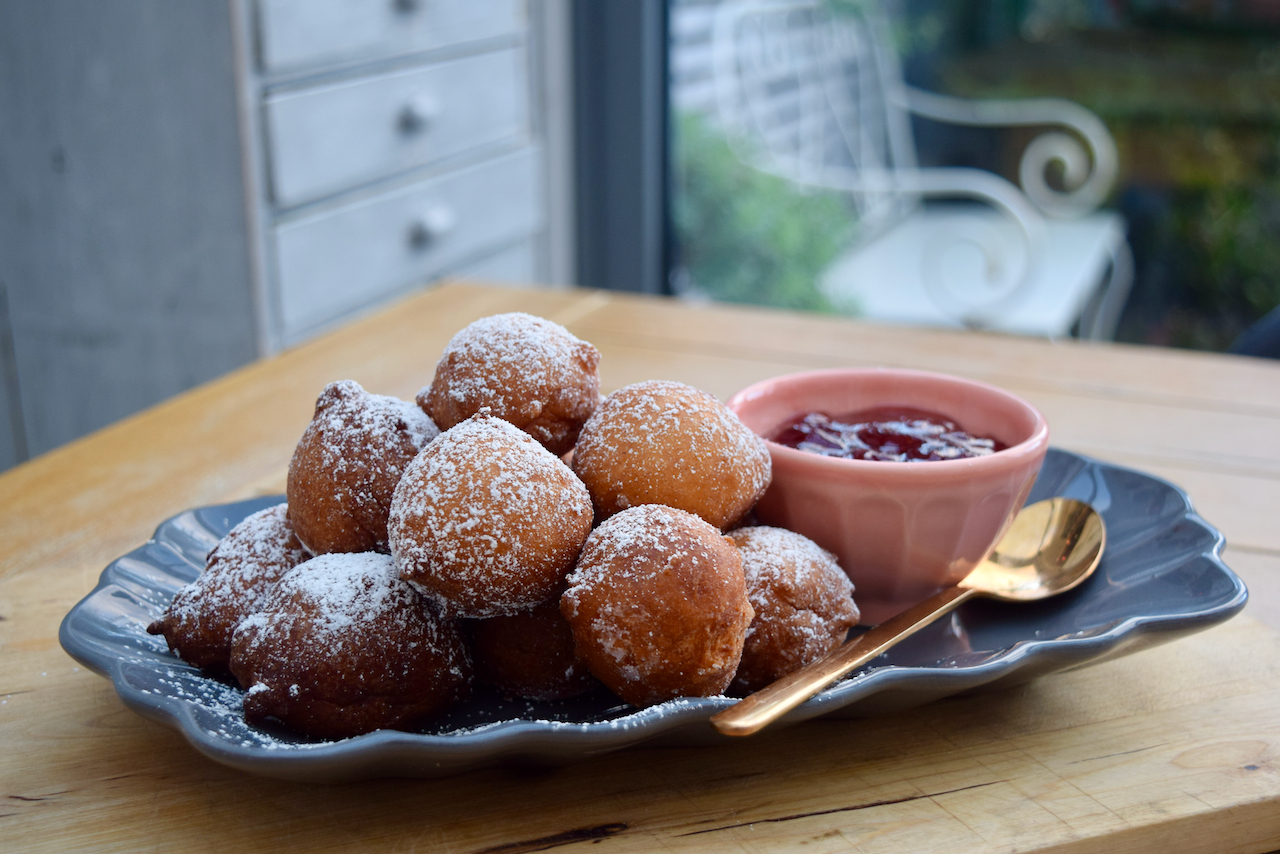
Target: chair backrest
point(809, 91)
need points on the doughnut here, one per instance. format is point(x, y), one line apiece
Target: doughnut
point(529, 654)
point(487, 520)
point(660, 442)
point(347, 464)
point(526, 370)
point(342, 647)
point(658, 605)
point(238, 575)
point(802, 599)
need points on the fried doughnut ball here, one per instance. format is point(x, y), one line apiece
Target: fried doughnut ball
point(526, 370)
point(803, 602)
point(239, 573)
point(658, 605)
point(347, 464)
point(660, 442)
point(342, 646)
point(530, 654)
point(487, 520)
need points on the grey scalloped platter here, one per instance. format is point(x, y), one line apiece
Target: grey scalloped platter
point(1161, 578)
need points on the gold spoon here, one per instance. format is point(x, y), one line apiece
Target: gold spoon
point(1051, 547)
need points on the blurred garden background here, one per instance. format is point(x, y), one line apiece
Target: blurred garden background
point(1190, 90)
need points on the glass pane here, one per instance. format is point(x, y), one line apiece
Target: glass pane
point(743, 231)
point(791, 156)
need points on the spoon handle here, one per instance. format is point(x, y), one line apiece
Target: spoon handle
point(758, 710)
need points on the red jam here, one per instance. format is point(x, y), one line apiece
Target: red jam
point(893, 434)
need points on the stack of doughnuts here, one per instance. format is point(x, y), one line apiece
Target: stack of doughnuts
point(509, 526)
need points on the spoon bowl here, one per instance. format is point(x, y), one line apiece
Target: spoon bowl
point(1051, 547)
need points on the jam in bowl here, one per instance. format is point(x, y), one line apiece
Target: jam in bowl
point(890, 434)
point(901, 530)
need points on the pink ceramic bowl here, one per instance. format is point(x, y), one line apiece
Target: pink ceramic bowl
point(902, 531)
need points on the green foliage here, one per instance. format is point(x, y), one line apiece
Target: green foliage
point(1228, 239)
point(1237, 230)
point(1195, 111)
point(746, 236)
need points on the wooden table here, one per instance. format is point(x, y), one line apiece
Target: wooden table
point(1173, 749)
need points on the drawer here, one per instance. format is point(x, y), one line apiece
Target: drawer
point(332, 264)
point(298, 34)
point(328, 139)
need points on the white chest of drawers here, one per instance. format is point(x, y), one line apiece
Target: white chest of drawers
point(301, 34)
point(396, 142)
point(185, 186)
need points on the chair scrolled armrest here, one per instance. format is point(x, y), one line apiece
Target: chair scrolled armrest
point(1006, 273)
point(1087, 154)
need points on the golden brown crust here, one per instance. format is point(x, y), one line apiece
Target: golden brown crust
point(487, 520)
point(239, 574)
point(530, 654)
point(658, 606)
point(661, 442)
point(803, 604)
point(524, 369)
point(343, 646)
point(491, 520)
point(346, 467)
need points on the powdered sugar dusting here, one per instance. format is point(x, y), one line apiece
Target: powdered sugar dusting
point(657, 605)
point(665, 442)
point(379, 420)
point(246, 563)
point(344, 646)
point(509, 344)
point(525, 369)
point(341, 592)
point(488, 519)
point(772, 554)
point(614, 549)
point(336, 605)
point(347, 464)
point(240, 573)
point(802, 599)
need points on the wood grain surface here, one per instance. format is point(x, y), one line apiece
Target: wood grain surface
point(1173, 749)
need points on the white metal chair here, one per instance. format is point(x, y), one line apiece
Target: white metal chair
point(816, 96)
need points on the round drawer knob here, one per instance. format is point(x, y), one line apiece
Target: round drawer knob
point(435, 222)
point(417, 115)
